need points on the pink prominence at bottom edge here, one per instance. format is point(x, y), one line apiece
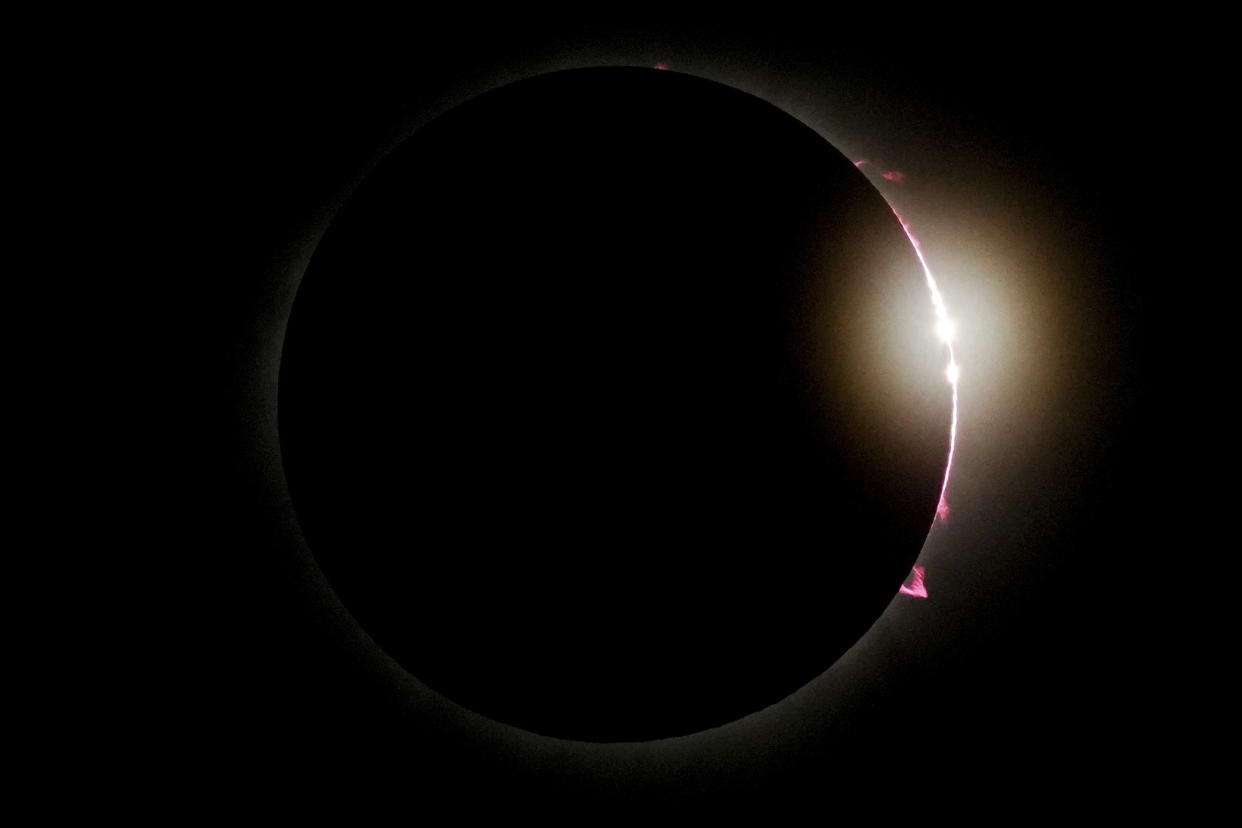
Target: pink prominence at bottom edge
point(916, 587)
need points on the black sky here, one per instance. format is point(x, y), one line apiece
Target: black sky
point(1040, 663)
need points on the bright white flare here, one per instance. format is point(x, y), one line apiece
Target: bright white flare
point(944, 325)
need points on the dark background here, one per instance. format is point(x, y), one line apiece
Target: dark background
point(1049, 658)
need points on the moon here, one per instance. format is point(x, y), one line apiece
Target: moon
point(611, 405)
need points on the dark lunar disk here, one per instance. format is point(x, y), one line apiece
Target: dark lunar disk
point(610, 404)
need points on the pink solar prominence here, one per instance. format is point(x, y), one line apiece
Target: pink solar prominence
point(916, 587)
point(947, 331)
